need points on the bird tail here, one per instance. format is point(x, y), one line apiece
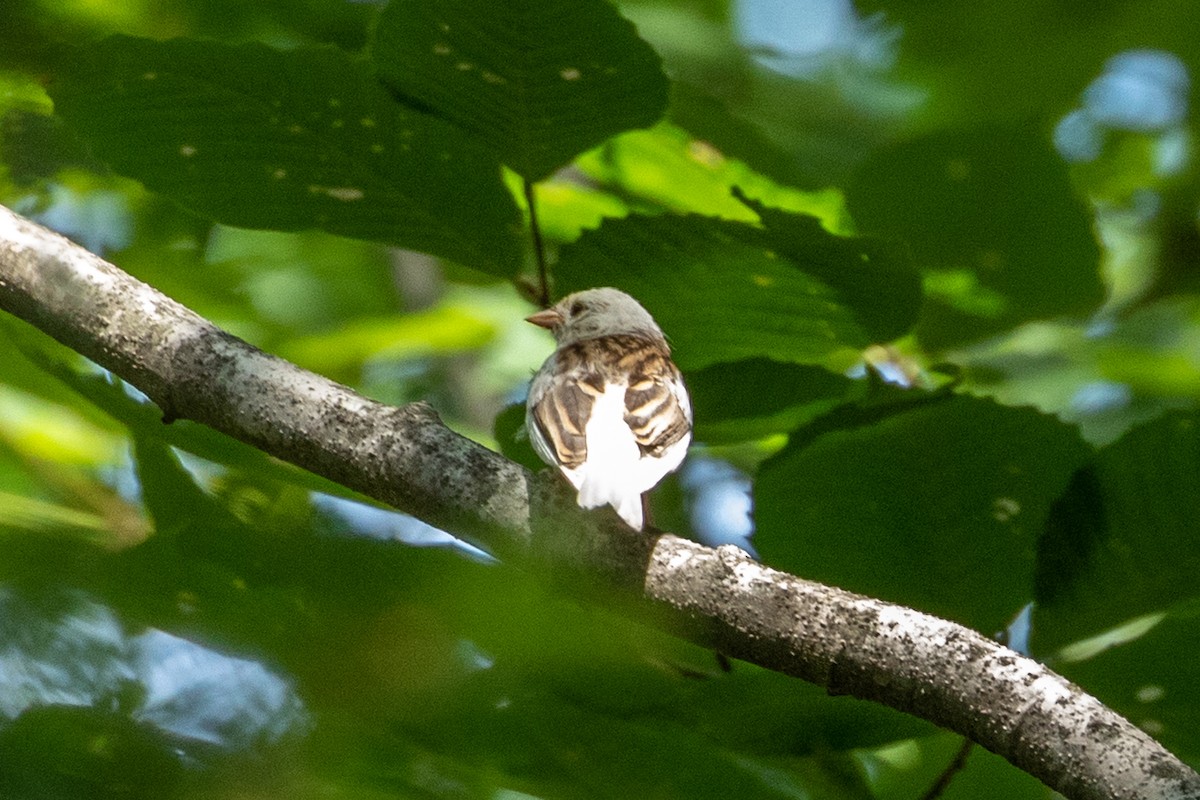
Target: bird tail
point(595, 493)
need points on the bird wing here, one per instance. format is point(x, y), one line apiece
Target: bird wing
point(613, 414)
point(656, 404)
point(563, 397)
point(560, 406)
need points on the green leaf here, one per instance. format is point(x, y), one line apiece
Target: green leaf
point(745, 400)
point(175, 503)
point(63, 750)
point(35, 146)
point(561, 678)
point(438, 331)
point(710, 119)
point(658, 757)
point(873, 276)
point(935, 504)
point(566, 208)
point(666, 167)
point(992, 213)
point(18, 512)
point(718, 289)
point(261, 138)
point(234, 561)
point(1122, 540)
point(540, 81)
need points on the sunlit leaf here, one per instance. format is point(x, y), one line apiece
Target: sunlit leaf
point(669, 168)
point(52, 432)
point(306, 138)
point(539, 81)
point(18, 512)
point(566, 209)
point(442, 330)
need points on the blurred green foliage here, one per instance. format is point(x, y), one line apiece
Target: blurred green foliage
point(930, 271)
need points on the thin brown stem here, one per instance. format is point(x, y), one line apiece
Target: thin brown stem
point(539, 249)
point(952, 769)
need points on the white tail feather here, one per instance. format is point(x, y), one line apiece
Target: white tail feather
point(615, 472)
point(611, 474)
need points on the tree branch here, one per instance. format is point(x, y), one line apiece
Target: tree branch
point(720, 598)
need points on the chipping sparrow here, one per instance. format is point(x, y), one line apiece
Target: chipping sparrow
point(608, 407)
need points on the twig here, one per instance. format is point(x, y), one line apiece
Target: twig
point(952, 769)
point(539, 249)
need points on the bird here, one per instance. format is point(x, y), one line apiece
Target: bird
point(608, 408)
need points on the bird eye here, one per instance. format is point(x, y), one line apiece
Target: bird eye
point(577, 308)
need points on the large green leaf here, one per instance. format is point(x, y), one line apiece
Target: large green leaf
point(567, 692)
point(63, 750)
point(33, 146)
point(992, 214)
point(667, 168)
point(1122, 540)
point(935, 503)
point(718, 288)
point(556, 744)
point(262, 138)
point(744, 400)
point(873, 276)
point(539, 81)
point(709, 119)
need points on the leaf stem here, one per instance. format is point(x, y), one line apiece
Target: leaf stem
point(539, 249)
point(953, 768)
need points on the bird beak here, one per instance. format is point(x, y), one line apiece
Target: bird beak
point(549, 319)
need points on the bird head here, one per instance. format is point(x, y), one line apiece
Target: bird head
point(596, 312)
